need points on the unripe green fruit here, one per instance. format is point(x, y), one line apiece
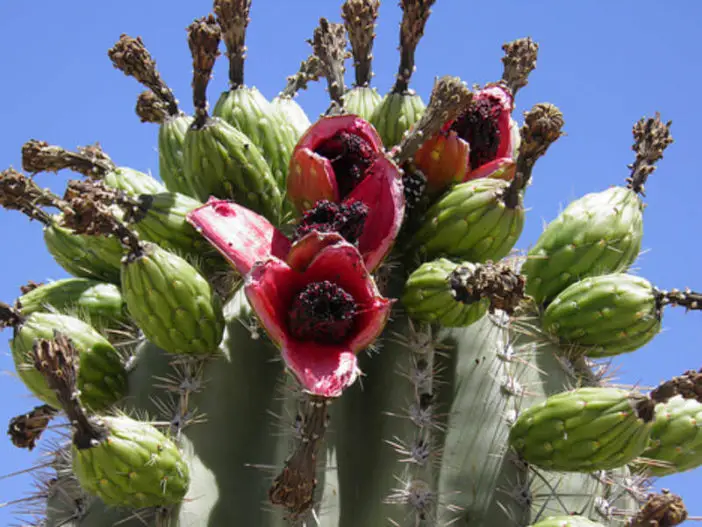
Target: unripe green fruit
point(293, 114)
point(582, 430)
point(471, 222)
point(135, 465)
point(395, 114)
point(85, 256)
point(676, 437)
point(597, 234)
point(171, 138)
point(428, 296)
point(101, 380)
point(172, 302)
point(221, 161)
point(566, 521)
point(605, 315)
point(101, 303)
point(247, 110)
point(362, 101)
point(132, 181)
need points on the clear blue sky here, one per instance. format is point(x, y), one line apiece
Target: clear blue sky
point(605, 64)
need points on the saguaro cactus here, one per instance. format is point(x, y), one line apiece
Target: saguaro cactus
point(385, 357)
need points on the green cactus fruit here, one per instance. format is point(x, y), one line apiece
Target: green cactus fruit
point(160, 218)
point(221, 161)
point(100, 303)
point(131, 465)
point(363, 100)
point(102, 379)
point(171, 139)
point(597, 234)
point(605, 315)
point(566, 521)
point(473, 222)
point(132, 181)
point(584, 430)
point(172, 302)
point(395, 114)
point(676, 437)
point(247, 110)
point(428, 296)
point(84, 256)
point(292, 113)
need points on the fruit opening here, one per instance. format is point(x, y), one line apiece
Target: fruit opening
point(322, 312)
point(347, 219)
point(479, 126)
point(350, 156)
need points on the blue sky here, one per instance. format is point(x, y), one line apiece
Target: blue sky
point(605, 64)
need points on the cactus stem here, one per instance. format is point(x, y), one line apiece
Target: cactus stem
point(91, 161)
point(415, 14)
point(18, 192)
point(496, 282)
point(56, 360)
point(359, 18)
point(688, 299)
point(449, 97)
point(329, 43)
point(519, 61)
point(130, 56)
point(310, 70)
point(664, 509)
point(542, 127)
point(150, 108)
point(294, 487)
point(26, 429)
point(651, 138)
point(233, 18)
point(203, 39)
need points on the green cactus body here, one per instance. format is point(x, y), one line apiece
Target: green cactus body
point(221, 161)
point(605, 315)
point(363, 100)
point(395, 114)
point(247, 110)
point(582, 430)
point(164, 223)
point(132, 181)
point(84, 256)
point(134, 465)
point(566, 521)
point(102, 379)
point(471, 222)
point(597, 234)
point(428, 296)
point(676, 437)
point(292, 113)
point(100, 303)
point(171, 138)
point(171, 302)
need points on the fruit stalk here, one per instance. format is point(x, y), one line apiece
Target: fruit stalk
point(233, 18)
point(359, 18)
point(519, 61)
point(415, 14)
point(329, 43)
point(203, 39)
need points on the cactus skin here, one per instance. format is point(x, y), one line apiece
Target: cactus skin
point(566, 521)
point(427, 296)
point(101, 303)
point(221, 161)
point(582, 430)
point(249, 111)
point(605, 315)
point(135, 465)
point(172, 303)
point(132, 181)
point(362, 101)
point(171, 139)
point(292, 113)
point(84, 256)
point(471, 222)
point(597, 234)
point(102, 379)
point(676, 438)
point(395, 114)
